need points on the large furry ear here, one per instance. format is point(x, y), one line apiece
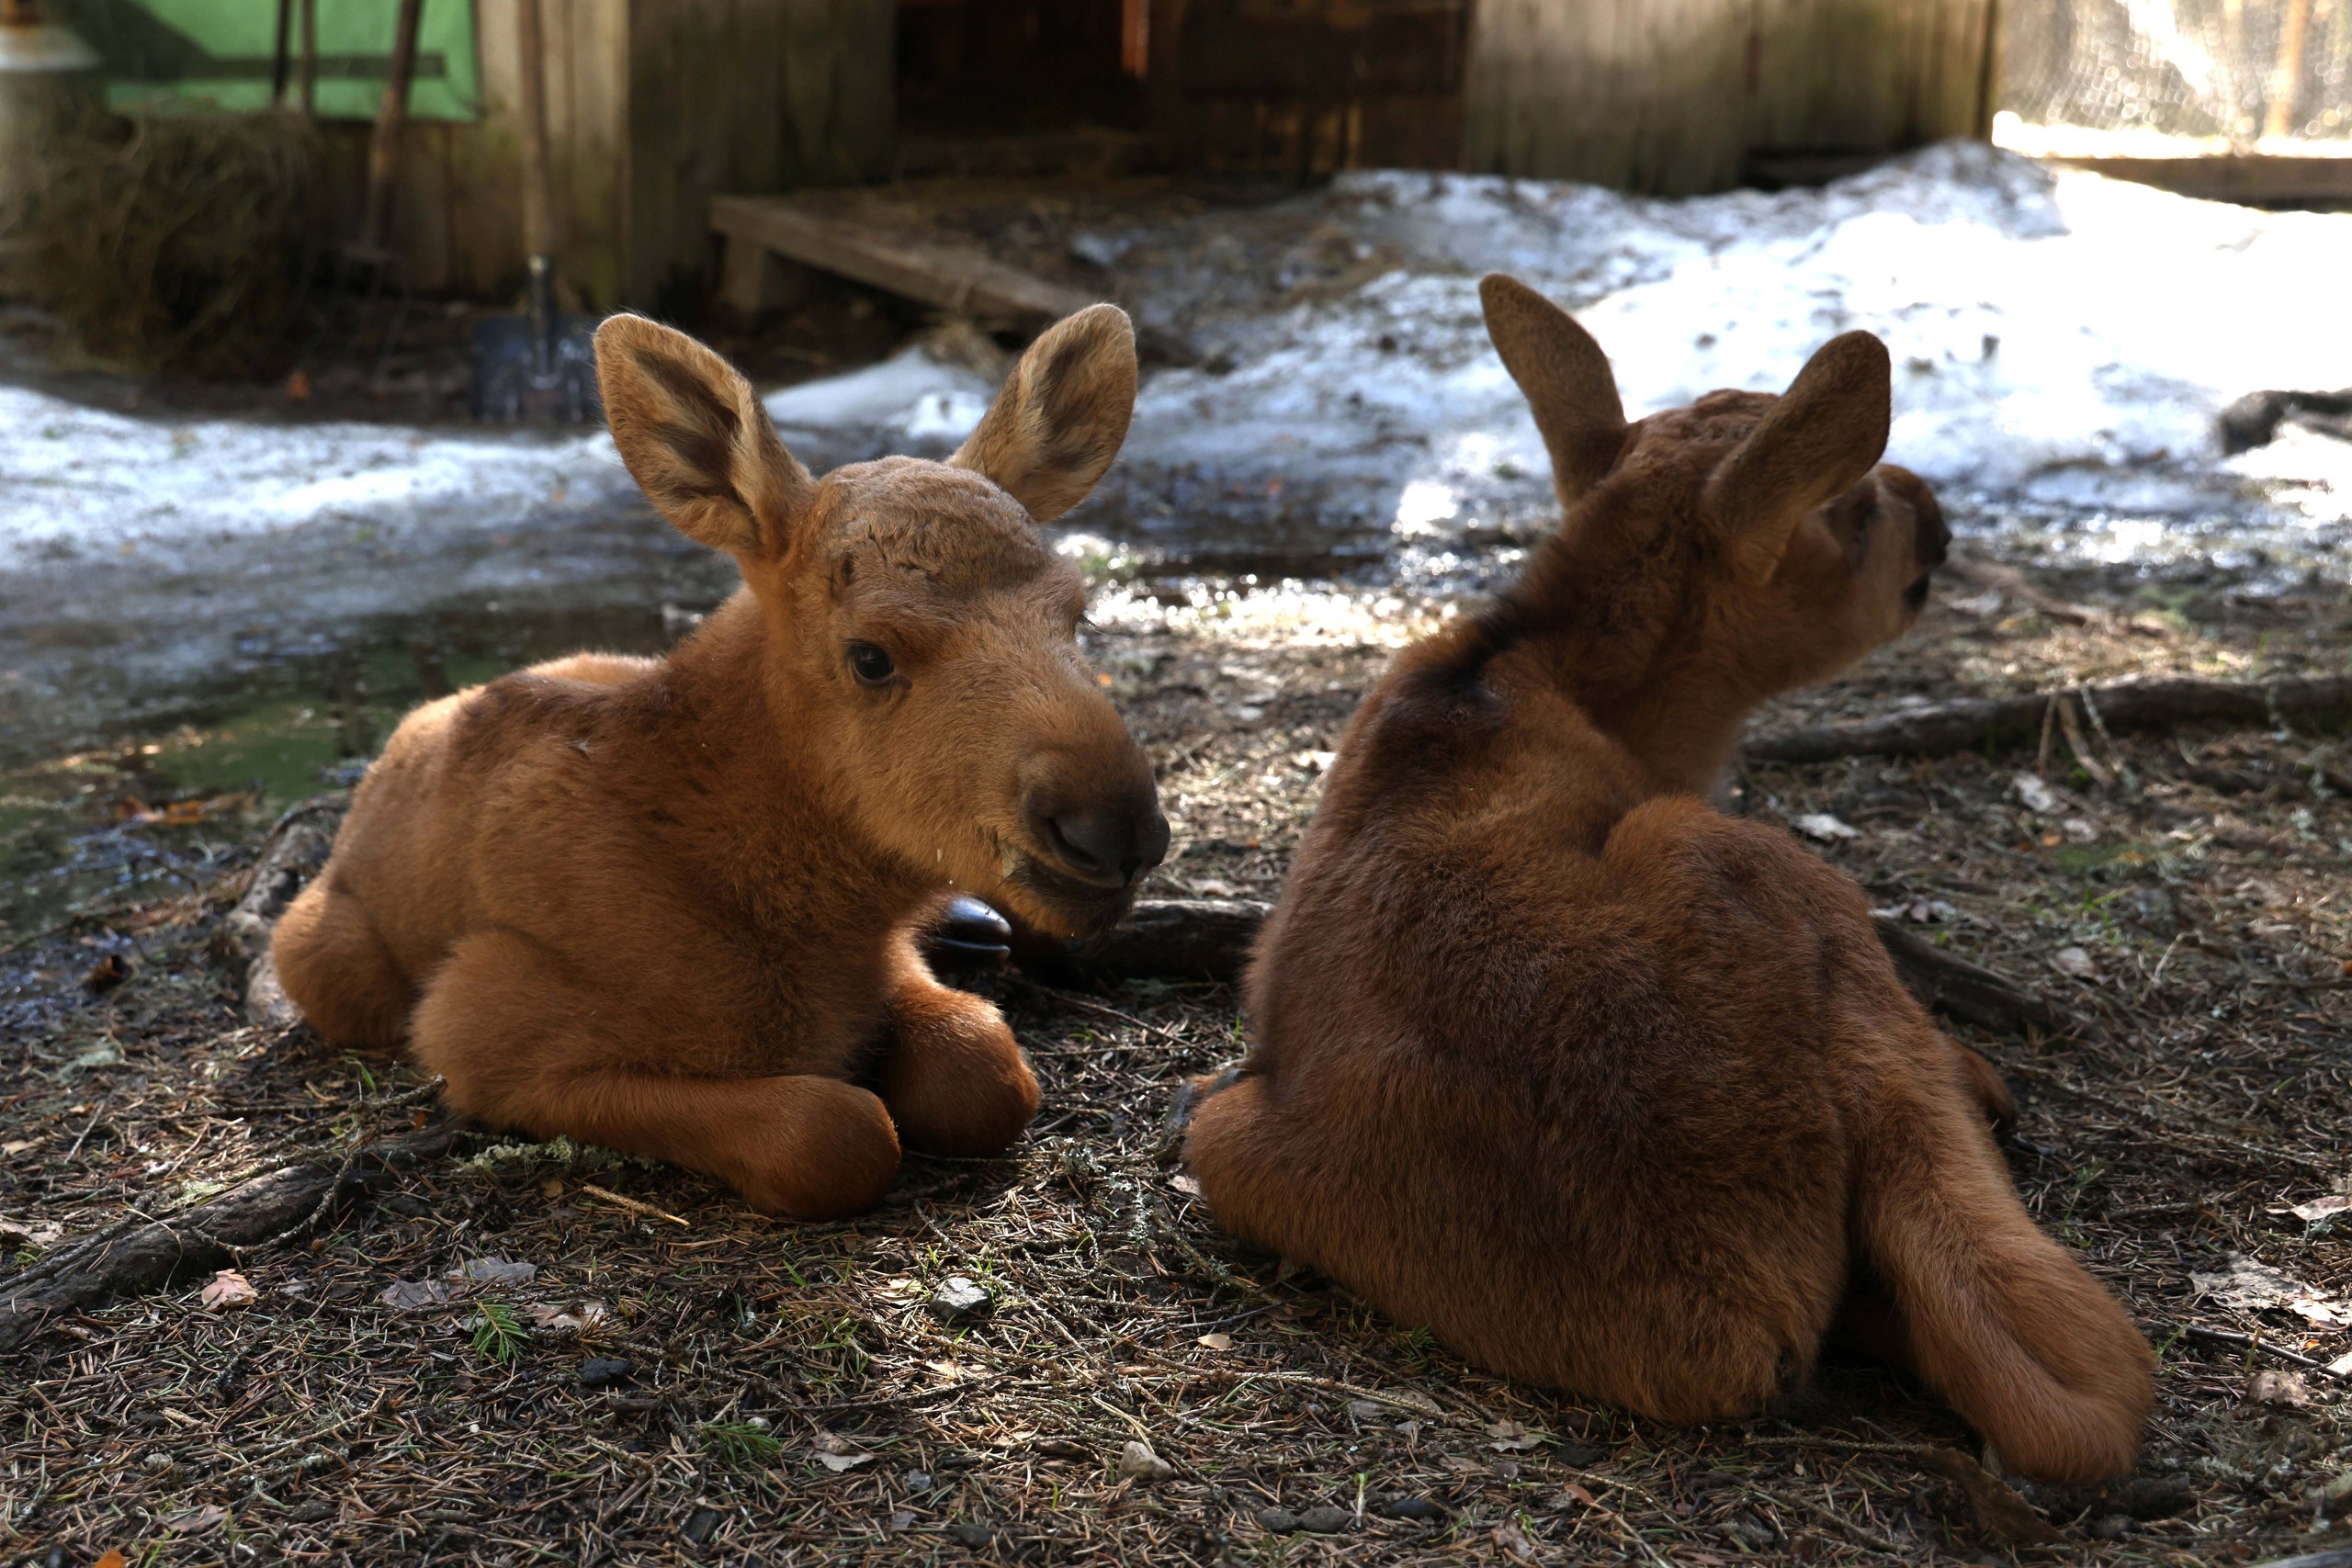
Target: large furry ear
point(1565, 378)
point(1062, 413)
point(1826, 432)
point(694, 436)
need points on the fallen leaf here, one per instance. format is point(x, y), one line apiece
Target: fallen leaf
point(2286, 1389)
point(113, 1559)
point(2074, 960)
point(838, 1454)
point(1821, 826)
point(106, 973)
point(1580, 1493)
point(2079, 831)
point(2322, 1213)
point(1188, 1185)
point(196, 1521)
point(2256, 1287)
point(1461, 1466)
point(1215, 1341)
point(417, 1295)
point(1511, 1437)
point(228, 1288)
point(2341, 1366)
point(1514, 1542)
point(18, 1146)
point(948, 1370)
point(495, 1272)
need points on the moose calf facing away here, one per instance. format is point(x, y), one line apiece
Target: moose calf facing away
point(669, 905)
point(1614, 1093)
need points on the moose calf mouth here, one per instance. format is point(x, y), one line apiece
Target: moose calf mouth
point(1087, 910)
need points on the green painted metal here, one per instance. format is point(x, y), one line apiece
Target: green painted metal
point(217, 54)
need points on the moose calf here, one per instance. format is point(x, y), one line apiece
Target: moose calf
point(668, 905)
point(1612, 1092)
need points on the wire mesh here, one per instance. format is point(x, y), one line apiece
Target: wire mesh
point(2245, 70)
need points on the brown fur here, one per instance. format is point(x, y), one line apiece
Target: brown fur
point(1612, 1092)
point(668, 905)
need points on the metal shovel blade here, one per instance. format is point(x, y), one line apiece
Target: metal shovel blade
point(527, 372)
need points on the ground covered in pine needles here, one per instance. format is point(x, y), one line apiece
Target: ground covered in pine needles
point(513, 1354)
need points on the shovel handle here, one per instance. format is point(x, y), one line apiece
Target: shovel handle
point(384, 147)
point(538, 220)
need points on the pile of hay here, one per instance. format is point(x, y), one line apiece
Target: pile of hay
point(177, 242)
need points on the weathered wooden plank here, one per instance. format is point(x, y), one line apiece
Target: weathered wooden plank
point(936, 270)
point(2253, 179)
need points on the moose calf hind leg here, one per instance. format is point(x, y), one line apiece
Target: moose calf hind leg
point(338, 970)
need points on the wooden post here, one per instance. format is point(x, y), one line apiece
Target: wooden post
point(2286, 76)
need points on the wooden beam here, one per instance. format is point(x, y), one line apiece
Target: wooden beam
point(934, 269)
point(921, 264)
point(2255, 179)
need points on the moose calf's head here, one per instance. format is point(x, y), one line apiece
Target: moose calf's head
point(919, 639)
point(1737, 548)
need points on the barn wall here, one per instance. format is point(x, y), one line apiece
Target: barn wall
point(1669, 97)
point(653, 107)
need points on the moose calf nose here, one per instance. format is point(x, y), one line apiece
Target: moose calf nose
point(1109, 845)
point(1933, 541)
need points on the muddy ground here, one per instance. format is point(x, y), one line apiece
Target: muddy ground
point(679, 1380)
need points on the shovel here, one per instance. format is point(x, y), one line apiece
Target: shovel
point(542, 364)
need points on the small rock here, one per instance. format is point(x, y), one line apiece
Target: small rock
point(1137, 1462)
point(971, 1535)
point(2074, 960)
point(1581, 1456)
point(2078, 832)
point(2032, 794)
point(2115, 1527)
point(1825, 829)
point(601, 1371)
point(918, 1481)
point(700, 1524)
point(1325, 1520)
point(958, 1299)
point(902, 1519)
point(1277, 1521)
point(1420, 1510)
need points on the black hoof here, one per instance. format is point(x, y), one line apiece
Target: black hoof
point(1190, 1094)
point(969, 936)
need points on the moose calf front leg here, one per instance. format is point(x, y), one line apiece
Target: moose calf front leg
point(524, 1042)
point(953, 1077)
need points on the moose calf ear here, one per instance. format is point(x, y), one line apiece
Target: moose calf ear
point(696, 438)
point(1826, 432)
point(1062, 415)
point(1565, 378)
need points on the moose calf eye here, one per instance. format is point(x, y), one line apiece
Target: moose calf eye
point(870, 665)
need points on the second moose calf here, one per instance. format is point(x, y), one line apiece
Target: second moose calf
point(1613, 1092)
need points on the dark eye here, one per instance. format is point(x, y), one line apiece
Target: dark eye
point(870, 665)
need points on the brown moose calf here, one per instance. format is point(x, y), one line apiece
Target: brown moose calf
point(669, 905)
point(1612, 1092)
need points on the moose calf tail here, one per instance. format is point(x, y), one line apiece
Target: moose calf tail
point(1998, 1318)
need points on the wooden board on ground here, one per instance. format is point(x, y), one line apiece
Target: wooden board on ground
point(867, 241)
point(2250, 179)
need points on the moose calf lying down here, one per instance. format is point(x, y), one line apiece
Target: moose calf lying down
point(669, 905)
point(1612, 1092)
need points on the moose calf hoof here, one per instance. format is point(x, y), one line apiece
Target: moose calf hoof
point(1189, 1098)
point(968, 938)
